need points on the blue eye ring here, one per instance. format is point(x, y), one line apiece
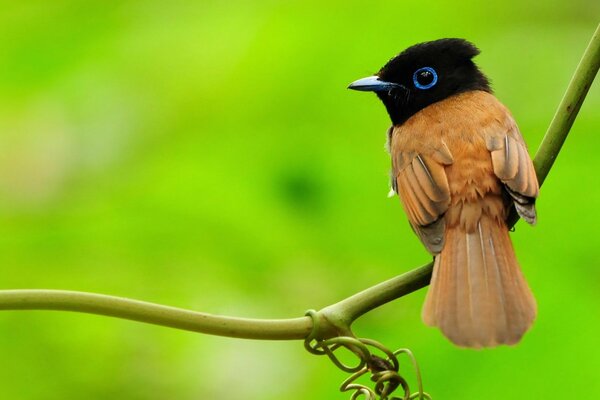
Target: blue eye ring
point(430, 84)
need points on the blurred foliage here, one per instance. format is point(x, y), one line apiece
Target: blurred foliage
point(207, 155)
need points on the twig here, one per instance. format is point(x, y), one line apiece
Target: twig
point(91, 303)
point(565, 113)
point(178, 318)
point(568, 108)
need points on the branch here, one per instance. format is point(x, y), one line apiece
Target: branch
point(63, 300)
point(568, 108)
point(566, 113)
point(343, 313)
point(334, 319)
point(245, 328)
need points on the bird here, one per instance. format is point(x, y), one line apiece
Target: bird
point(459, 165)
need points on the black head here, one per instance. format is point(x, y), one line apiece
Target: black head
point(424, 74)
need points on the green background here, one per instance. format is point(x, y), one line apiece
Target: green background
point(207, 155)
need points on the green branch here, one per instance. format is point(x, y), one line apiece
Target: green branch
point(342, 314)
point(568, 108)
point(63, 300)
point(566, 113)
point(335, 319)
point(246, 328)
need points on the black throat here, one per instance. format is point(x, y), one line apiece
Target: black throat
point(404, 102)
point(450, 71)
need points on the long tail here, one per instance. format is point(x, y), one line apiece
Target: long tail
point(478, 296)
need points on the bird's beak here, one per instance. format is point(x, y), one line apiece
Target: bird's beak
point(373, 84)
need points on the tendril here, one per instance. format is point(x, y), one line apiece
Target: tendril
point(384, 371)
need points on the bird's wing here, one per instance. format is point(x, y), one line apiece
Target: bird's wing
point(513, 166)
point(420, 181)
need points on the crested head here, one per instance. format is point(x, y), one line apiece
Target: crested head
point(425, 74)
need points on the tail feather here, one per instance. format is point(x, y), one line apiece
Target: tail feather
point(478, 296)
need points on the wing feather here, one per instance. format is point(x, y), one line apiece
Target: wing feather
point(432, 177)
point(513, 166)
point(418, 191)
point(414, 207)
point(423, 188)
point(505, 159)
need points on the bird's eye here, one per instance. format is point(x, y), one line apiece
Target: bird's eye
point(425, 78)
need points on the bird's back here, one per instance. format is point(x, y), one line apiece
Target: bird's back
point(449, 180)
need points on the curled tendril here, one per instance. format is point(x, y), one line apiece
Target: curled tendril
point(384, 371)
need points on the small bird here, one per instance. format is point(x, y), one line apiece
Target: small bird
point(459, 164)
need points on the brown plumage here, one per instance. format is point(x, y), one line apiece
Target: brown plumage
point(459, 164)
point(450, 161)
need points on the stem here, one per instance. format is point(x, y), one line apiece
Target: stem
point(333, 319)
point(349, 309)
point(295, 328)
point(565, 113)
point(245, 328)
point(568, 108)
